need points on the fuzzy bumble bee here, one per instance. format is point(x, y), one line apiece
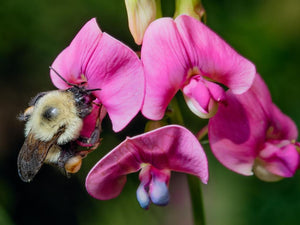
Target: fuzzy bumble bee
point(54, 120)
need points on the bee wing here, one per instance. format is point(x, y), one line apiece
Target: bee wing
point(32, 156)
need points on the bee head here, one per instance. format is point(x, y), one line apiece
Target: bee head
point(83, 97)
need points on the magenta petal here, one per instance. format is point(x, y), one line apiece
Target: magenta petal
point(165, 65)
point(71, 62)
point(282, 126)
point(281, 161)
point(230, 136)
point(240, 126)
point(216, 91)
point(171, 147)
point(197, 92)
point(108, 177)
point(92, 124)
point(105, 63)
point(213, 56)
point(117, 70)
point(173, 51)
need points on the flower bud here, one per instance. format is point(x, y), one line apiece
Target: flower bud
point(191, 8)
point(140, 14)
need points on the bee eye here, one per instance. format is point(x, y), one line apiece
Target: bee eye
point(50, 113)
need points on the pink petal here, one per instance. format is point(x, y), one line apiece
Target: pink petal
point(168, 148)
point(239, 128)
point(202, 96)
point(282, 126)
point(260, 91)
point(171, 50)
point(71, 62)
point(117, 70)
point(165, 66)
point(282, 161)
point(90, 123)
point(105, 63)
point(199, 94)
point(213, 56)
point(216, 91)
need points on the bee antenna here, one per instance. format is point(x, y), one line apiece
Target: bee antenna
point(68, 83)
point(95, 89)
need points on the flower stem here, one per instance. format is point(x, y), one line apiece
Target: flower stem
point(174, 112)
point(193, 181)
point(158, 9)
point(196, 199)
point(201, 134)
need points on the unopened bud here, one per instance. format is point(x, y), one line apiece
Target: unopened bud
point(140, 14)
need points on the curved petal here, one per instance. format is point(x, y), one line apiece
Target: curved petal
point(198, 92)
point(117, 70)
point(213, 56)
point(174, 148)
point(282, 126)
point(236, 131)
point(282, 161)
point(72, 61)
point(260, 91)
point(92, 127)
point(171, 49)
point(240, 126)
point(108, 177)
point(202, 97)
point(171, 147)
point(164, 60)
point(105, 63)
point(216, 91)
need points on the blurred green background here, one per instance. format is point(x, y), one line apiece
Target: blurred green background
point(33, 33)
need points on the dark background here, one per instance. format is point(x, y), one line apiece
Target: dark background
point(33, 33)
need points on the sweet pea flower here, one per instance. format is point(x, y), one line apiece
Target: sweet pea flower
point(155, 154)
point(98, 61)
point(184, 54)
point(250, 134)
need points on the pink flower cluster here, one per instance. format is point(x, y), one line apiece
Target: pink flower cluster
point(247, 132)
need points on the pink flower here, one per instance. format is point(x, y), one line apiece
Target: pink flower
point(156, 154)
point(184, 54)
point(250, 134)
point(97, 60)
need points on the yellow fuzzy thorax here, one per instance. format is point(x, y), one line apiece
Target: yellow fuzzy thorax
point(67, 117)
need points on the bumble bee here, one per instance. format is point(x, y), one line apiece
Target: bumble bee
point(54, 120)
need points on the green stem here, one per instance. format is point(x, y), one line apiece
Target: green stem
point(196, 200)
point(193, 181)
point(158, 9)
point(192, 8)
point(201, 134)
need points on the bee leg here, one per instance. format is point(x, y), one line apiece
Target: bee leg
point(93, 141)
point(69, 160)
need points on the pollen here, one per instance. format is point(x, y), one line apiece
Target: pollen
point(73, 164)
